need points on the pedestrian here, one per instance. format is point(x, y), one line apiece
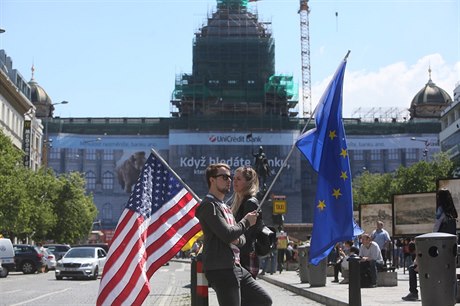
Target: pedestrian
point(233, 284)
point(282, 241)
point(245, 188)
point(446, 214)
point(382, 238)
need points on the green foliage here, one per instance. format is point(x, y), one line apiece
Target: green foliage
point(420, 177)
point(40, 205)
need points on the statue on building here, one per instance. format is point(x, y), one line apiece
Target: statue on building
point(262, 168)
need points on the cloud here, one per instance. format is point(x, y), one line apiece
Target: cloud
point(392, 87)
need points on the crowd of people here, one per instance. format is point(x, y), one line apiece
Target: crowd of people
point(231, 262)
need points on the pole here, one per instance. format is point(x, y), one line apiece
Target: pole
point(290, 152)
point(354, 288)
point(175, 174)
point(284, 164)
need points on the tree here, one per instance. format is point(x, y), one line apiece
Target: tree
point(40, 205)
point(75, 210)
point(420, 177)
point(13, 197)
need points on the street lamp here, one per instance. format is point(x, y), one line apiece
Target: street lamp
point(427, 144)
point(47, 141)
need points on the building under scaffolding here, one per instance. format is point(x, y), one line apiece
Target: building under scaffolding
point(234, 69)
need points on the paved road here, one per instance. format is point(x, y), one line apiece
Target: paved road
point(170, 287)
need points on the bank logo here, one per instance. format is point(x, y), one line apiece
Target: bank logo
point(234, 139)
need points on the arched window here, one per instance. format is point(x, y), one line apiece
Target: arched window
point(107, 180)
point(107, 213)
point(90, 177)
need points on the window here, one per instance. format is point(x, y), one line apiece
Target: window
point(411, 153)
point(393, 154)
point(90, 180)
point(91, 154)
point(108, 155)
point(54, 153)
point(107, 212)
point(376, 154)
point(107, 180)
point(358, 154)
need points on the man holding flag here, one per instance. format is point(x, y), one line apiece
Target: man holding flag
point(233, 284)
point(325, 147)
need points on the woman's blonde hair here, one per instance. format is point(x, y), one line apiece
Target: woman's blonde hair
point(252, 187)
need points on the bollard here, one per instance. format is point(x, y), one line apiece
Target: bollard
point(199, 283)
point(303, 263)
point(354, 287)
point(436, 254)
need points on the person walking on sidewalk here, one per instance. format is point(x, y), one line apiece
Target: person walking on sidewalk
point(233, 284)
point(282, 241)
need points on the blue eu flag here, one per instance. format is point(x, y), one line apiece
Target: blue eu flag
point(325, 147)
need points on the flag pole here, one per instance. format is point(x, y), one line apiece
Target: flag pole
point(157, 155)
point(290, 153)
point(267, 192)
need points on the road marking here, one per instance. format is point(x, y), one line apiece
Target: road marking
point(12, 291)
point(40, 297)
point(166, 295)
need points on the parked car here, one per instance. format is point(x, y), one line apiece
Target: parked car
point(50, 260)
point(57, 249)
point(105, 246)
point(81, 262)
point(6, 257)
point(27, 258)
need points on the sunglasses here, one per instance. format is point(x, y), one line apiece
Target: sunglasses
point(225, 177)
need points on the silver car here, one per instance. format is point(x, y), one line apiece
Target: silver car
point(81, 262)
point(49, 260)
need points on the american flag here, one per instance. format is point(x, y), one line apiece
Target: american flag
point(156, 223)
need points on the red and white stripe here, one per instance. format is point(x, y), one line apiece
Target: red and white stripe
point(141, 246)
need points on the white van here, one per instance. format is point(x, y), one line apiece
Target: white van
point(6, 257)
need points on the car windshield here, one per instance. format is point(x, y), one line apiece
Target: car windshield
point(80, 253)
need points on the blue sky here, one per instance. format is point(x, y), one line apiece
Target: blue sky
point(113, 58)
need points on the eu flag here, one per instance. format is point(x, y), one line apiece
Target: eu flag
point(325, 147)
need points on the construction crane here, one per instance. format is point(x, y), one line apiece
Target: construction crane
point(304, 11)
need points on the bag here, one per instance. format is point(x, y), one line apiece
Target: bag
point(448, 225)
point(264, 240)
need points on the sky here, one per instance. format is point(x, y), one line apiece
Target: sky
point(111, 58)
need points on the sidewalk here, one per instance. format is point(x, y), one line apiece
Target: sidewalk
point(334, 294)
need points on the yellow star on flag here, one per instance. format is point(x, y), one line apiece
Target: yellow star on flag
point(321, 205)
point(336, 193)
point(332, 135)
point(344, 153)
point(344, 175)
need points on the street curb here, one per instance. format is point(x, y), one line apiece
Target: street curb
point(305, 293)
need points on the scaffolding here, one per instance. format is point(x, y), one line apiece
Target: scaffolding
point(234, 69)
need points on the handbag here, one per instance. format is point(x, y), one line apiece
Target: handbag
point(264, 240)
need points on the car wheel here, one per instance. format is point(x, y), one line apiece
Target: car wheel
point(28, 267)
point(95, 274)
point(58, 277)
point(4, 273)
point(47, 269)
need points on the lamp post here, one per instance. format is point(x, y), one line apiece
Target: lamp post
point(47, 142)
point(427, 144)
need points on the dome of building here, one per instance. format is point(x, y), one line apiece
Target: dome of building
point(40, 99)
point(430, 101)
